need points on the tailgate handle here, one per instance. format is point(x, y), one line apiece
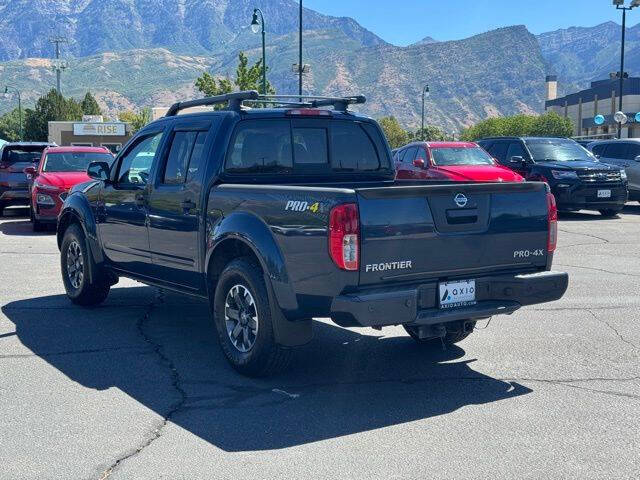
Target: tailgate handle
point(462, 216)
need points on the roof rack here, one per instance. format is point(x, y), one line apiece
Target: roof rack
point(236, 99)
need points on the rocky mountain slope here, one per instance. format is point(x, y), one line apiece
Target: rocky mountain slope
point(579, 55)
point(470, 79)
point(182, 26)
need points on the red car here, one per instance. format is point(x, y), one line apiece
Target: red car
point(456, 161)
point(60, 168)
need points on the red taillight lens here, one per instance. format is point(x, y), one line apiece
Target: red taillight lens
point(344, 230)
point(552, 210)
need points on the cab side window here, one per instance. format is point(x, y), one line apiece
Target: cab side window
point(617, 150)
point(185, 157)
point(599, 149)
point(633, 151)
point(516, 150)
point(499, 151)
point(135, 165)
point(410, 156)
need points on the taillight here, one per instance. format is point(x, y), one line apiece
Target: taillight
point(552, 212)
point(344, 230)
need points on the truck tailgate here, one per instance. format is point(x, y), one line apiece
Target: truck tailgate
point(414, 233)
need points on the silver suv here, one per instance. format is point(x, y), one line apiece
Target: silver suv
point(624, 153)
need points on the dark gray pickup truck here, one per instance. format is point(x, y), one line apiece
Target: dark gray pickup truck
point(278, 215)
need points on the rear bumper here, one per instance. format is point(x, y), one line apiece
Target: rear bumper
point(14, 195)
point(418, 304)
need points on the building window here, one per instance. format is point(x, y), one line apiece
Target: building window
point(113, 147)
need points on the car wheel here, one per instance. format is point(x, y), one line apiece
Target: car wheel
point(610, 212)
point(242, 317)
point(74, 259)
point(451, 337)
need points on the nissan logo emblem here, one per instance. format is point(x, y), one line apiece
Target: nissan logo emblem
point(460, 199)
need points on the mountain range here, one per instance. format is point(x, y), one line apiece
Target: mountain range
point(133, 53)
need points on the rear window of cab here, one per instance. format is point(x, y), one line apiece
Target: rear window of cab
point(305, 146)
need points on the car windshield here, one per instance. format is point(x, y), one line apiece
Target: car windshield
point(460, 156)
point(73, 161)
point(558, 150)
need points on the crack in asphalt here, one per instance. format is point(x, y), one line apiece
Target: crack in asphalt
point(586, 235)
point(611, 327)
point(175, 384)
point(599, 270)
point(28, 253)
point(73, 352)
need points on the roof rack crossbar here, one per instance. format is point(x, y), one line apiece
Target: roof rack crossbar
point(234, 100)
point(338, 103)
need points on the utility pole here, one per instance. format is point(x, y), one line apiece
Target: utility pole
point(620, 5)
point(300, 64)
point(59, 66)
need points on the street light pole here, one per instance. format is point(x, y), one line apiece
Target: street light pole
point(425, 92)
point(254, 28)
point(6, 92)
point(621, 6)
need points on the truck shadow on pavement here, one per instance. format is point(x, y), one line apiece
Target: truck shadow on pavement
point(161, 350)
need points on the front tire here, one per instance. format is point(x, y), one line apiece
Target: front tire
point(74, 261)
point(451, 337)
point(610, 212)
point(242, 316)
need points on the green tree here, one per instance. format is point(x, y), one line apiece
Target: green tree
point(552, 125)
point(137, 120)
point(431, 134)
point(547, 125)
point(247, 78)
point(10, 125)
point(396, 135)
point(51, 107)
point(90, 105)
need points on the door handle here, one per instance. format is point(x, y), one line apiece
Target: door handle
point(188, 205)
point(140, 200)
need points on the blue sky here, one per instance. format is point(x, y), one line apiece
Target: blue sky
point(402, 22)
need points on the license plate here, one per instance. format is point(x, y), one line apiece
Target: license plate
point(457, 294)
point(604, 193)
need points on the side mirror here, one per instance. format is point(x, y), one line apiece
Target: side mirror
point(517, 160)
point(30, 172)
point(419, 162)
point(637, 159)
point(98, 171)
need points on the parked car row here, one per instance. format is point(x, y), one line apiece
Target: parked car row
point(40, 175)
point(576, 177)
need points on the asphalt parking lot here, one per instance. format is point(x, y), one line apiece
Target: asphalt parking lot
point(138, 387)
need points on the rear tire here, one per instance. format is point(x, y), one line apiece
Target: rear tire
point(610, 212)
point(242, 316)
point(74, 260)
point(451, 338)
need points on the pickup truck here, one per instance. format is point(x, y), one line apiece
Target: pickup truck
point(279, 215)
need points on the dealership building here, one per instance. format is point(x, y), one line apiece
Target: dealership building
point(601, 98)
point(91, 132)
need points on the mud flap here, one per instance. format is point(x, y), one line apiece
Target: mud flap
point(286, 332)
